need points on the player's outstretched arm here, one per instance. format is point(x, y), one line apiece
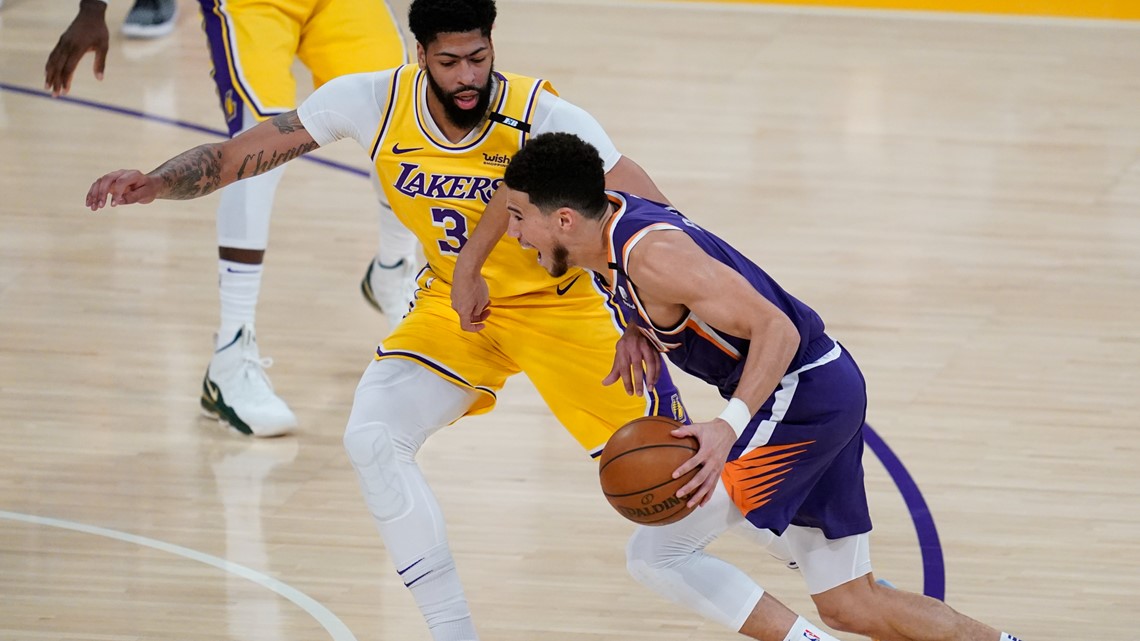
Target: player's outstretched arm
point(88, 32)
point(207, 168)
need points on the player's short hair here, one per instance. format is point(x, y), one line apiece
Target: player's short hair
point(429, 18)
point(560, 170)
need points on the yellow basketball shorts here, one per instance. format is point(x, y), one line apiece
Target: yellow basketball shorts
point(564, 342)
point(253, 43)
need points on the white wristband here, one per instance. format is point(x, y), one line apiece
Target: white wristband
point(737, 415)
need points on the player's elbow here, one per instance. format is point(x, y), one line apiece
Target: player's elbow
point(779, 333)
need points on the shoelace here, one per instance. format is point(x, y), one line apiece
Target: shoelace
point(259, 364)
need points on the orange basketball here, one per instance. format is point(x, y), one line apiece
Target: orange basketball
point(636, 470)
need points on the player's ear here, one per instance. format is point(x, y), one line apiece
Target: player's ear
point(566, 218)
point(421, 55)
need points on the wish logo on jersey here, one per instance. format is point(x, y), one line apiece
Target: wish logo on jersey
point(413, 182)
point(497, 160)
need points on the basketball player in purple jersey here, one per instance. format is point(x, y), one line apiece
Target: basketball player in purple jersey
point(786, 452)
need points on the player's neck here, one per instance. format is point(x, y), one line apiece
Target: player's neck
point(596, 254)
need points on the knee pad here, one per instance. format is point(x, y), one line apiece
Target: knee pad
point(371, 451)
point(398, 404)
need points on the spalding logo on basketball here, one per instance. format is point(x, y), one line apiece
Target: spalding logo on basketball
point(636, 470)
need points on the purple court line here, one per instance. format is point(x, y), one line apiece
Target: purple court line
point(123, 111)
point(933, 564)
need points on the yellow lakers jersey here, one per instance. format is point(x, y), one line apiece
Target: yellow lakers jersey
point(439, 189)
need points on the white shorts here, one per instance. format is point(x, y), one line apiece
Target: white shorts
point(825, 563)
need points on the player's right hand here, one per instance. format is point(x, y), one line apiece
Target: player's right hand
point(88, 32)
point(716, 438)
point(124, 187)
point(471, 299)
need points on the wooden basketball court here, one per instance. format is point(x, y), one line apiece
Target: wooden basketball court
point(958, 196)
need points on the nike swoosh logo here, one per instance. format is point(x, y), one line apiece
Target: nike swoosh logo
point(562, 290)
point(396, 149)
point(231, 270)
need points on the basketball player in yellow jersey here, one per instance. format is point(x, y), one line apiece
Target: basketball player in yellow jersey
point(252, 46)
point(441, 134)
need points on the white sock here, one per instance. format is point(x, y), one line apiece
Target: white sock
point(804, 631)
point(238, 287)
point(1005, 636)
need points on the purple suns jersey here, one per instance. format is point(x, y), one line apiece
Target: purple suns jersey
point(696, 347)
point(798, 461)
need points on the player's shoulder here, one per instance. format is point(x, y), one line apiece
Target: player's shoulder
point(365, 82)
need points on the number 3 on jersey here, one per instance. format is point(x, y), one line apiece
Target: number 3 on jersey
point(454, 226)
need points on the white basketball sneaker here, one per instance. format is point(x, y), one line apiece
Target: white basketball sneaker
point(237, 392)
point(390, 290)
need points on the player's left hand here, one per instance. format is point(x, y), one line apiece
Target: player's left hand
point(716, 438)
point(636, 363)
point(123, 187)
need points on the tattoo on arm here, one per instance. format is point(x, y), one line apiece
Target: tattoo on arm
point(287, 123)
point(260, 164)
point(193, 173)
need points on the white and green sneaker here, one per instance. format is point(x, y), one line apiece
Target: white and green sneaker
point(237, 392)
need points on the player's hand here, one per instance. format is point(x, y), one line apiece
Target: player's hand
point(636, 363)
point(716, 438)
point(124, 187)
point(471, 299)
point(88, 32)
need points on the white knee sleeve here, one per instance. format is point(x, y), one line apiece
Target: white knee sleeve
point(671, 561)
point(398, 405)
point(245, 207)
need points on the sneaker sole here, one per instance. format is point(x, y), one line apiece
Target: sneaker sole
point(214, 406)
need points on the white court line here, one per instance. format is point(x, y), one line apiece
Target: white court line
point(850, 12)
point(329, 621)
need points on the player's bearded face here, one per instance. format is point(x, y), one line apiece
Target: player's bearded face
point(559, 260)
point(460, 117)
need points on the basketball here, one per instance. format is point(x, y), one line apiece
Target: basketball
point(636, 470)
